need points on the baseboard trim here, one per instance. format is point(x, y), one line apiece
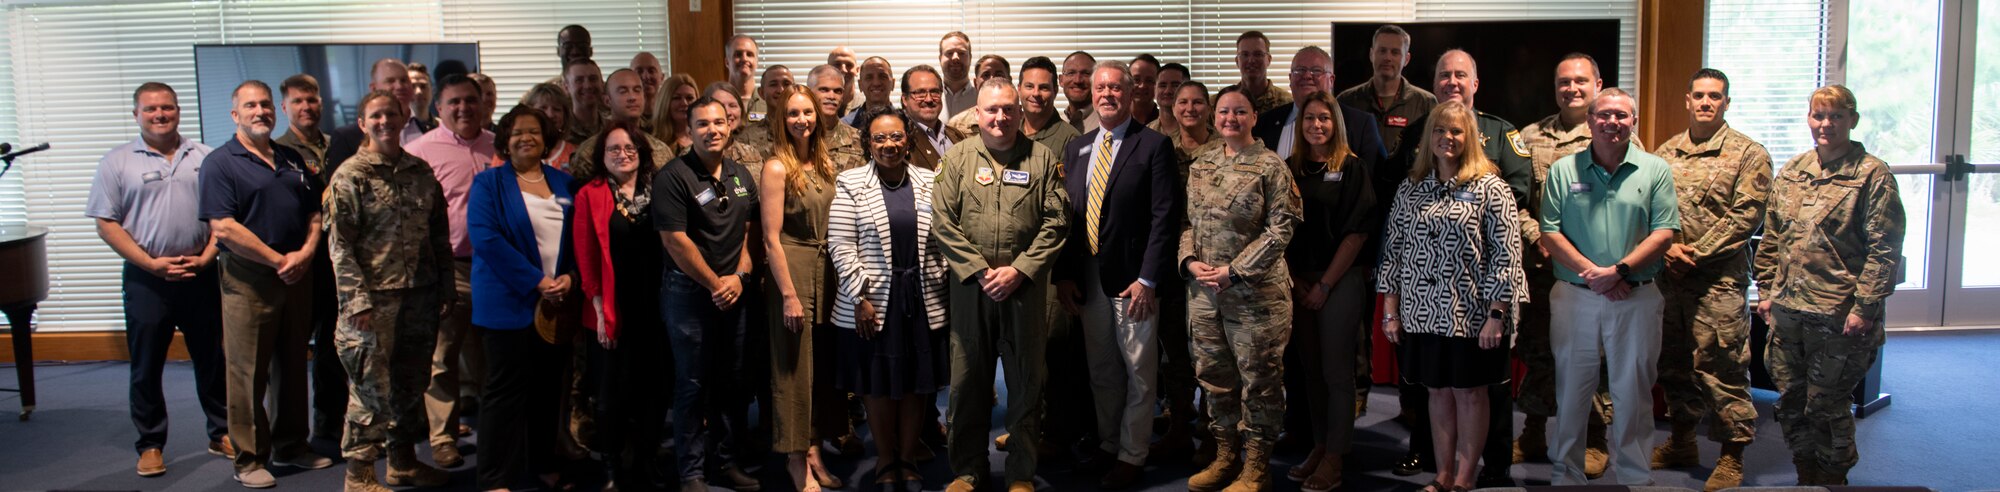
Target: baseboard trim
point(83, 346)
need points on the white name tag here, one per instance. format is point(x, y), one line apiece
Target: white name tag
point(1332, 177)
point(1579, 187)
point(706, 195)
point(1014, 177)
point(924, 207)
point(151, 176)
point(1465, 196)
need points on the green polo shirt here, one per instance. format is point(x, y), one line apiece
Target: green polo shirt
point(1604, 214)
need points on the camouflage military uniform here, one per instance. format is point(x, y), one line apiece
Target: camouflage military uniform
point(1833, 238)
point(582, 128)
point(752, 146)
point(967, 123)
point(583, 162)
point(1274, 97)
point(843, 147)
point(1721, 184)
point(1241, 212)
point(391, 247)
point(994, 209)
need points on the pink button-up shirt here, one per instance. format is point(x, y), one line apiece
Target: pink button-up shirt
point(455, 160)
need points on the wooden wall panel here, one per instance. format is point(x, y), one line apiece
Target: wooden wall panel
point(1670, 48)
point(696, 38)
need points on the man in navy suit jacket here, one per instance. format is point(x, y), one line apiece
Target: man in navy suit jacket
point(1121, 180)
point(1312, 74)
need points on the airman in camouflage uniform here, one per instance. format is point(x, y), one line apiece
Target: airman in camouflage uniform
point(1000, 213)
point(1721, 182)
point(751, 147)
point(391, 246)
point(1833, 241)
point(1241, 212)
point(843, 145)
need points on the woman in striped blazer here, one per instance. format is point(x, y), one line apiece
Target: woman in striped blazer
point(891, 300)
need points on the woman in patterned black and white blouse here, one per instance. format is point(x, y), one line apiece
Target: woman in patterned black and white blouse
point(1451, 278)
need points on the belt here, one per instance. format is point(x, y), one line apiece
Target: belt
point(465, 259)
point(1633, 283)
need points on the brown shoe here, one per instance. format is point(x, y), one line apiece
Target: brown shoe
point(1021, 487)
point(446, 455)
point(404, 469)
point(1679, 450)
point(223, 447)
point(1122, 475)
point(1728, 471)
point(1000, 442)
point(360, 477)
point(735, 479)
point(1533, 442)
point(151, 463)
point(960, 485)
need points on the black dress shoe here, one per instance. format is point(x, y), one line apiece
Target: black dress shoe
point(1494, 477)
point(1410, 465)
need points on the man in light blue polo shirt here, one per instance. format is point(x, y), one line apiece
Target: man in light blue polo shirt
point(145, 198)
point(1607, 216)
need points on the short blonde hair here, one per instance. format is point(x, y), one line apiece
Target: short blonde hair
point(1837, 96)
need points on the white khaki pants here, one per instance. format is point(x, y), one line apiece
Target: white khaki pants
point(1124, 357)
point(1582, 327)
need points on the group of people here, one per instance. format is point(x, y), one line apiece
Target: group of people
point(622, 251)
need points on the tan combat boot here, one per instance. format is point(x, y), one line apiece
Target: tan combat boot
point(1679, 451)
point(404, 469)
point(1728, 469)
point(1220, 471)
point(1596, 452)
point(1256, 465)
point(1533, 443)
point(361, 477)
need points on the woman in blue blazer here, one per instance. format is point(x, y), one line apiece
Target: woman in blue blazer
point(517, 216)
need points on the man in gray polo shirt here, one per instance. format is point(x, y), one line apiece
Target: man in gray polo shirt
point(145, 201)
point(1607, 215)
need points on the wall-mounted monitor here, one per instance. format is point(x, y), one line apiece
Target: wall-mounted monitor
point(1517, 59)
point(342, 70)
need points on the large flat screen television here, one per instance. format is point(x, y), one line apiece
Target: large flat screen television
point(1517, 59)
point(342, 70)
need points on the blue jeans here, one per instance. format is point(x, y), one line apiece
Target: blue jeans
point(708, 361)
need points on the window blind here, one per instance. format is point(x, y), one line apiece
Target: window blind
point(1774, 54)
point(67, 70)
point(1198, 33)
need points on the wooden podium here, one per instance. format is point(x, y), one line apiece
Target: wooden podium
point(24, 255)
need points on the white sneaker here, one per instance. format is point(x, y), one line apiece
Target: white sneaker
point(257, 479)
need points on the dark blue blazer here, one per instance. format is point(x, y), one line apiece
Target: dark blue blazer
point(1138, 227)
point(1364, 137)
point(506, 261)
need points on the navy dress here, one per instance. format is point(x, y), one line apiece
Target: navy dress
point(907, 356)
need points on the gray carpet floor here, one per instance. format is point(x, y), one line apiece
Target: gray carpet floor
point(1940, 432)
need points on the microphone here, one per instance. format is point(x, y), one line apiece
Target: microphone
point(30, 150)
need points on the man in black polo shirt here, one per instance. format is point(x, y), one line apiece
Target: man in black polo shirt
point(263, 206)
point(704, 204)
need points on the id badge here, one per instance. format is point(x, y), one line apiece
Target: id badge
point(151, 176)
point(1332, 176)
point(706, 195)
point(1579, 187)
point(1466, 196)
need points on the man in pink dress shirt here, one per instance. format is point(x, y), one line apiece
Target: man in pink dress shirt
point(456, 150)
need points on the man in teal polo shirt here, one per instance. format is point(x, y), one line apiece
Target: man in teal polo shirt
point(1607, 216)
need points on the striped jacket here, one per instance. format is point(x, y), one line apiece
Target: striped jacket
point(858, 238)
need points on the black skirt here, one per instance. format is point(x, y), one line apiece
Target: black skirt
point(1436, 361)
point(906, 357)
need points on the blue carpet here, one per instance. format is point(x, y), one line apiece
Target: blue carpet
point(1940, 432)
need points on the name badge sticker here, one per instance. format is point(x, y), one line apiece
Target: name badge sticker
point(151, 176)
point(706, 195)
point(1332, 176)
point(564, 201)
point(1014, 177)
point(1398, 121)
point(1465, 196)
point(1579, 187)
point(924, 208)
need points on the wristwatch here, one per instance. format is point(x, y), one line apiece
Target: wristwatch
point(1624, 270)
point(1496, 314)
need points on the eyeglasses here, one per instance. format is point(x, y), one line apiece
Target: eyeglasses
point(622, 149)
point(927, 93)
point(888, 137)
point(1314, 72)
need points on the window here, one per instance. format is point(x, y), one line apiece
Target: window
point(67, 70)
point(1198, 33)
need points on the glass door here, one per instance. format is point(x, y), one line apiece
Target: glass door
point(1927, 76)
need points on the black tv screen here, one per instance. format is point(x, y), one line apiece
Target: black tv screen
point(1517, 59)
point(342, 70)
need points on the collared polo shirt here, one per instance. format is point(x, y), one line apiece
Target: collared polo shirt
point(275, 201)
point(154, 197)
point(1606, 214)
point(455, 161)
point(715, 212)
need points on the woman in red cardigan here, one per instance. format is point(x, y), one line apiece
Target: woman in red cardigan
point(614, 233)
